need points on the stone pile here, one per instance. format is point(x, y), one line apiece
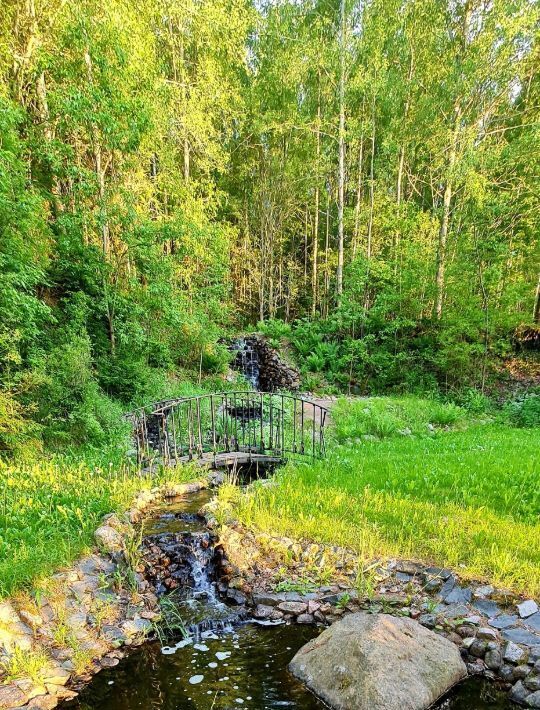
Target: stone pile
point(497, 634)
point(274, 373)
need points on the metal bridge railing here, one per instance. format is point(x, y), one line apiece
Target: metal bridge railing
point(249, 424)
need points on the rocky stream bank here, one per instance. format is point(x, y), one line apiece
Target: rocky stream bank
point(90, 616)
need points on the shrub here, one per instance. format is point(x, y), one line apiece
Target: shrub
point(525, 411)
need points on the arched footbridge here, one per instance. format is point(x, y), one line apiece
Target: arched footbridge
point(227, 428)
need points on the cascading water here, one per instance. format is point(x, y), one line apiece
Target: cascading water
point(219, 663)
point(247, 361)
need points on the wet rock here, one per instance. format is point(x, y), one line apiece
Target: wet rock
point(519, 693)
point(263, 611)
point(235, 596)
point(347, 665)
point(305, 619)
point(295, 608)
point(527, 608)
point(513, 653)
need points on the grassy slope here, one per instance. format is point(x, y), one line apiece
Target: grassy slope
point(49, 511)
point(467, 498)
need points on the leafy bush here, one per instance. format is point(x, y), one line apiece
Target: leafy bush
point(274, 329)
point(525, 411)
point(390, 416)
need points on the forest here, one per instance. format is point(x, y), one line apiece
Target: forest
point(359, 177)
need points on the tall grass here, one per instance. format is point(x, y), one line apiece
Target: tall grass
point(50, 510)
point(467, 498)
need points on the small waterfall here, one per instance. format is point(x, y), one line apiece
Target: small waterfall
point(246, 361)
point(184, 566)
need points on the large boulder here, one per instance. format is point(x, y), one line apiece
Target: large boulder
point(378, 662)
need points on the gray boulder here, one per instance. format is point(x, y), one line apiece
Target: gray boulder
point(378, 662)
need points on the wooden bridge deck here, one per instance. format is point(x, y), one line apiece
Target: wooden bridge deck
point(224, 460)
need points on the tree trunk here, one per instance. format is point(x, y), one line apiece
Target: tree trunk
point(341, 168)
point(536, 307)
point(445, 220)
point(315, 249)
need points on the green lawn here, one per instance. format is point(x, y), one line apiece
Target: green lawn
point(50, 510)
point(453, 492)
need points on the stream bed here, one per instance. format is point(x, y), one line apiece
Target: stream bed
point(222, 665)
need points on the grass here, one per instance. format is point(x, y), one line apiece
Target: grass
point(49, 511)
point(458, 493)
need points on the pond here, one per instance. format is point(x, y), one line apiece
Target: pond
point(226, 666)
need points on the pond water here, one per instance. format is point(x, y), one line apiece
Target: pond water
point(225, 667)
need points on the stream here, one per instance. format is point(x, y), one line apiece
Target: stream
point(227, 661)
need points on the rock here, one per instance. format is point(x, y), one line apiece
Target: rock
point(532, 682)
point(521, 636)
point(486, 633)
point(527, 608)
point(305, 619)
point(295, 608)
point(503, 621)
point(348, 665)
point(506, 673)
point(513, 653)
point(534, 621)
point(428, 620)
point(458, 595)
point(11, 696)
point(56, 676)
point(235, 596)
point(533, 700)
point(43, 702)
point(109, 539)
point(29, 618)
point(487, 607)
point(484, 591)
point(439, 572)
point(493, 659)
point(136, 627)
point(263, 611)
point(454, 611)
point(534, 654)
point(521, 672)
point(478, 648)
point(466, 631)
point(519, 693)
point(266, 599)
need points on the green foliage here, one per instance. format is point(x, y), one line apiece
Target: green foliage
point(393, 416)
point(525, 411)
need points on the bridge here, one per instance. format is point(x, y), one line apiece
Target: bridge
point(227, 428)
